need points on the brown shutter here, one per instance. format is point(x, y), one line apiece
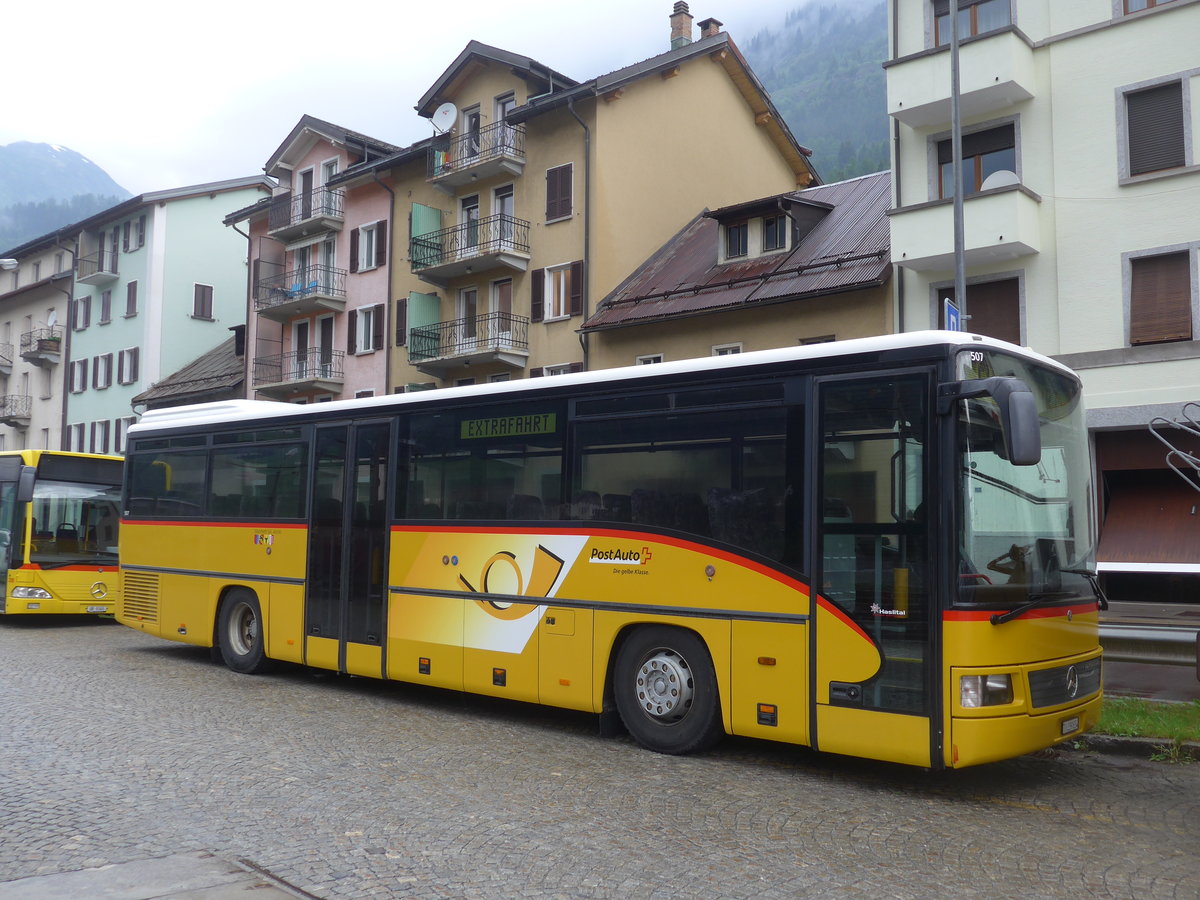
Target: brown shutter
point(402, 322)
point(125, 237)
point(96, 360)
point(377, 329)
point(381, 244)
point(121, 367)
point(564, 190)
point(133, 363)
point(351, 328)
point(577, 288)
point(551, 194)
point(558, 192)
point(354, 250)
point(1160, 306)
point(1155, 121)
point(537, 287)
point(536, 372)
point(574, 367)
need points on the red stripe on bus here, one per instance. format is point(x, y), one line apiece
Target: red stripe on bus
point(639, 536)
point(841, 615)
point(81, 568)
point(1045, 612)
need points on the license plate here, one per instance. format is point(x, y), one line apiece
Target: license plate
point(97, 609)
point(1070, 725)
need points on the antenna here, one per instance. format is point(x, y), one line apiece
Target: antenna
point(52, 319)
point(444, 117)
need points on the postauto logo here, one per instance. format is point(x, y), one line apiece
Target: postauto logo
point(624, 556)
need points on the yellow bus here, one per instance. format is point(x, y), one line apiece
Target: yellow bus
point(879, 547)
point(60, 517)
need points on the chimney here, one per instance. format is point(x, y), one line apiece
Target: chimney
point(710, 27)
point(681, 26)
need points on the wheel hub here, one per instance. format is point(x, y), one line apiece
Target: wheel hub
point(664, 686)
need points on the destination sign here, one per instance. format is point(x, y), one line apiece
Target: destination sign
point(509, 426)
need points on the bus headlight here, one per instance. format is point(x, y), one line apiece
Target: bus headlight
point(30, 593)
point(975, 691)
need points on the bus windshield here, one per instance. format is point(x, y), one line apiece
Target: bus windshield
point(1027, 531)
point(74, 522)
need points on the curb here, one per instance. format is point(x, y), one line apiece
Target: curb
point(1141, 747)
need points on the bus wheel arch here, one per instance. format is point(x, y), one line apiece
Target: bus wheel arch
point(664, 686)
point(240, 636)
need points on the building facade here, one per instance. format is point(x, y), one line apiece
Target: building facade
point(1081, 181)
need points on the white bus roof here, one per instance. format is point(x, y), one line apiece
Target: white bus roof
point(232, 411)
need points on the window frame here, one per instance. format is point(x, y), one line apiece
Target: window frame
point(202, 299)
point(1127, 278)
point(728, 231)
point(558, 292)
point(648, 359)
point(560, 192)
point(974, 161)
point(970, 7)
point(127, 362)
point(1124, 153)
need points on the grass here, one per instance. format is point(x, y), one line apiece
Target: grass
point(1132, 717)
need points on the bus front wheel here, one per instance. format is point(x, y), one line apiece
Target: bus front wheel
point(666, 691)
point(240, 634)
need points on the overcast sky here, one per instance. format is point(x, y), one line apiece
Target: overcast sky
point(162, 94)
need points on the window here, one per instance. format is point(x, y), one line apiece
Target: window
point(127, 366)
point(368, 247)
point(1132, 6)
point(469, 221)
point(120, 430)
point(558, 192)
point(726, 349)
point(83, 312)
point(202, 301)
point(737, 239)
point(79, 370)
point(359, 395)
point(994, 308)
point(560, 369)
point(649, 359)
point(463, 382)
point(1155, 124)
point(131, 299)
point(258, 482)
point(141, 231)
point(974, 17)
point(984, 153)
point(99, 436)
point(775, 233)
point(59, 261)
point(365, 329)
point(468, 314)
point(1160, 298)
point(37, 271)
point(102, 371)
point(818, 339)
point(105, 307)
point(556, 292)
point(499, 377)
point(76, 434)
point(502, 305)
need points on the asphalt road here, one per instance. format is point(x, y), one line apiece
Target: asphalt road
point(120, 750)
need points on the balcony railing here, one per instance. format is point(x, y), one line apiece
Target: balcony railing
point(42, 345)
point(450, 155)
point(299, 291)
point(6, 359)
point(298, 367)
point(461, 245)
point(474, 336)
point(15, 409)
point(97, 268)
point(320, 208)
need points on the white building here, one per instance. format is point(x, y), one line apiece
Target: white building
point(1080, 123)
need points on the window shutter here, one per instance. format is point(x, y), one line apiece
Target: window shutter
point(121, 367)
point(351, 328)
point(125, 237)
point(133, 364)
point(402, 322)
point(1155, 122)
point(537, 288)
point(551, 194)
point(536, 372)
point(1160, 299)
point(141, 231)
point(558, 192)
point(381, 244)
point(574, 367)
point(95, 372)
point(377, 327)
point(354, 250)
point(131, 298)
point(577, 288)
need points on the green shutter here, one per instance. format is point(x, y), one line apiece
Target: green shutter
point(423, 250)
point(424, 310)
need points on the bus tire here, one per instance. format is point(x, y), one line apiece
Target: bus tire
point(666, 690)
point(240, 633)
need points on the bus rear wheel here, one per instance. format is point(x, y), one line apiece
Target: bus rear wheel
point(666, 691)
point(240, 634)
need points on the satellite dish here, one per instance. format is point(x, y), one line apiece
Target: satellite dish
point(1003, 178)
point(52, 319)
point(444, 117)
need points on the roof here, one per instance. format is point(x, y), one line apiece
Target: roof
point(371, 147)
point(218, 374)
point(848, 248)
point(523, 66)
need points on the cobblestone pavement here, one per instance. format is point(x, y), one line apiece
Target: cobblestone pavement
point(116, 747)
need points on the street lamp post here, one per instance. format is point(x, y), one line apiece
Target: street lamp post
point(956, 163)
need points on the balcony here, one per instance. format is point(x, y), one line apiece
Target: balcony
point(96, 269)
point(299, 371)
point(492, 338)
point(293, 216)
point(42, 346)
point(6, 359)
point(999, 224)
point(300, 292)
point(474, 246)
point(14, 410)
point(996, 71)
point(497, 149)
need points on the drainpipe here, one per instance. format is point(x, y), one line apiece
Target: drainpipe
point(64, 436)
point(897, 270)
point(246, 386)
point(587, 226)
point(388, 323)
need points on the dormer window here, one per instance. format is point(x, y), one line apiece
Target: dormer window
point(737, 239)
point(774, 233)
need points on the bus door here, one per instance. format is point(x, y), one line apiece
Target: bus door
point(15, 486)
point(347, 549)
point(871, 652)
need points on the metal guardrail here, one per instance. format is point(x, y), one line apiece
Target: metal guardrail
point(1158, 645)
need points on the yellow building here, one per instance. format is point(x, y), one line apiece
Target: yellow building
point(538, 194)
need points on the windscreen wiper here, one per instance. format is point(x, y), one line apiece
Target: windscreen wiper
point(1035, 601)
point(1101, 600)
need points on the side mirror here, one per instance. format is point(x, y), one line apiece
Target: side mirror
point(25, 484)
point(1018, 413)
